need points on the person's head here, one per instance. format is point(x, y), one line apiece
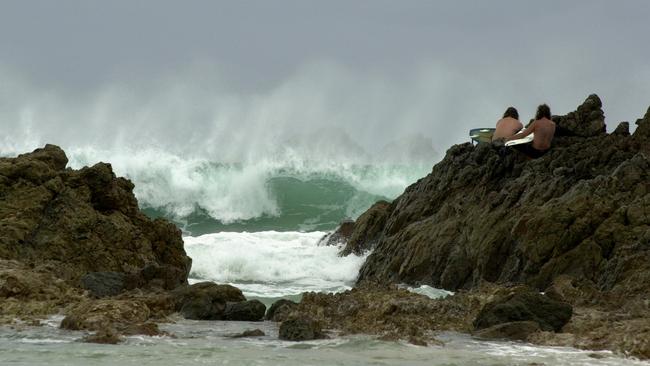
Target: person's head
point(543, 111)
point(511, 112)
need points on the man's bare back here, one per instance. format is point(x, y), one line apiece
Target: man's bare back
point(506, 127)
point(544, 130)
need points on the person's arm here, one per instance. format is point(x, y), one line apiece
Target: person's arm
point(523, 133)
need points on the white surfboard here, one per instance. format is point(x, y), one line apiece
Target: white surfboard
point(525, 140)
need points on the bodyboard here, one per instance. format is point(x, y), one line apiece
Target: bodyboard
point(526, 140)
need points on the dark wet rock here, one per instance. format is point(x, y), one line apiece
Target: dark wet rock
point(103, 284)
point(517, 330)
point(280, 310)
point(300, 329)
point(251, 310)
point(367, 229)
point(525, 305)
point(81, 221)
point(339, 236)
point(206, 300)
point(249, 334)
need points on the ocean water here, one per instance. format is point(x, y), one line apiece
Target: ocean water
point(208, 343)
point(258, 226)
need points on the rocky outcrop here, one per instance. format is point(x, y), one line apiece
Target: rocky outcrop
point(367, 229)
point(574, 223)
point(580, 210)
point(82, 221)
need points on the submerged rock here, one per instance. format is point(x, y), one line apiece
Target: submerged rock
point(249, 334)
point(104, 336)
point(517, 330)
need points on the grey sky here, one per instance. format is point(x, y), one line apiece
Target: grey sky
point(429, 67)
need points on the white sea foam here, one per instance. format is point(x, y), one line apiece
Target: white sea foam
point(271, 264)
point(235, 192)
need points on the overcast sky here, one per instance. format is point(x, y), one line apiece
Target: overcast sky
point(433, 68)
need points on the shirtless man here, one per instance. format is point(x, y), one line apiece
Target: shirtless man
point(508, 125)
point(544, 130)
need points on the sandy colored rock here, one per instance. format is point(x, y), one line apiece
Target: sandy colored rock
point(85, 220)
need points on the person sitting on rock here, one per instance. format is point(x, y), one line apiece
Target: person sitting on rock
point(507, 126)
point(544, 129)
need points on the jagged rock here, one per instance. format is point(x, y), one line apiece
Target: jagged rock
point(206, 300)
point(588, 120)
point(518, 330)
point(249, 334)
point(642, 132)
point(367, 229)
point(81, 221)
point(339, 236)
point(280, 310)
point(525, 305)
point(623, 129)
point(300, 329)
point(251, 310)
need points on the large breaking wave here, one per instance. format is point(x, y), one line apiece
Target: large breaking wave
point(275, 193)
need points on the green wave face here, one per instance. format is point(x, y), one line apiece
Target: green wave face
point(314, 204)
